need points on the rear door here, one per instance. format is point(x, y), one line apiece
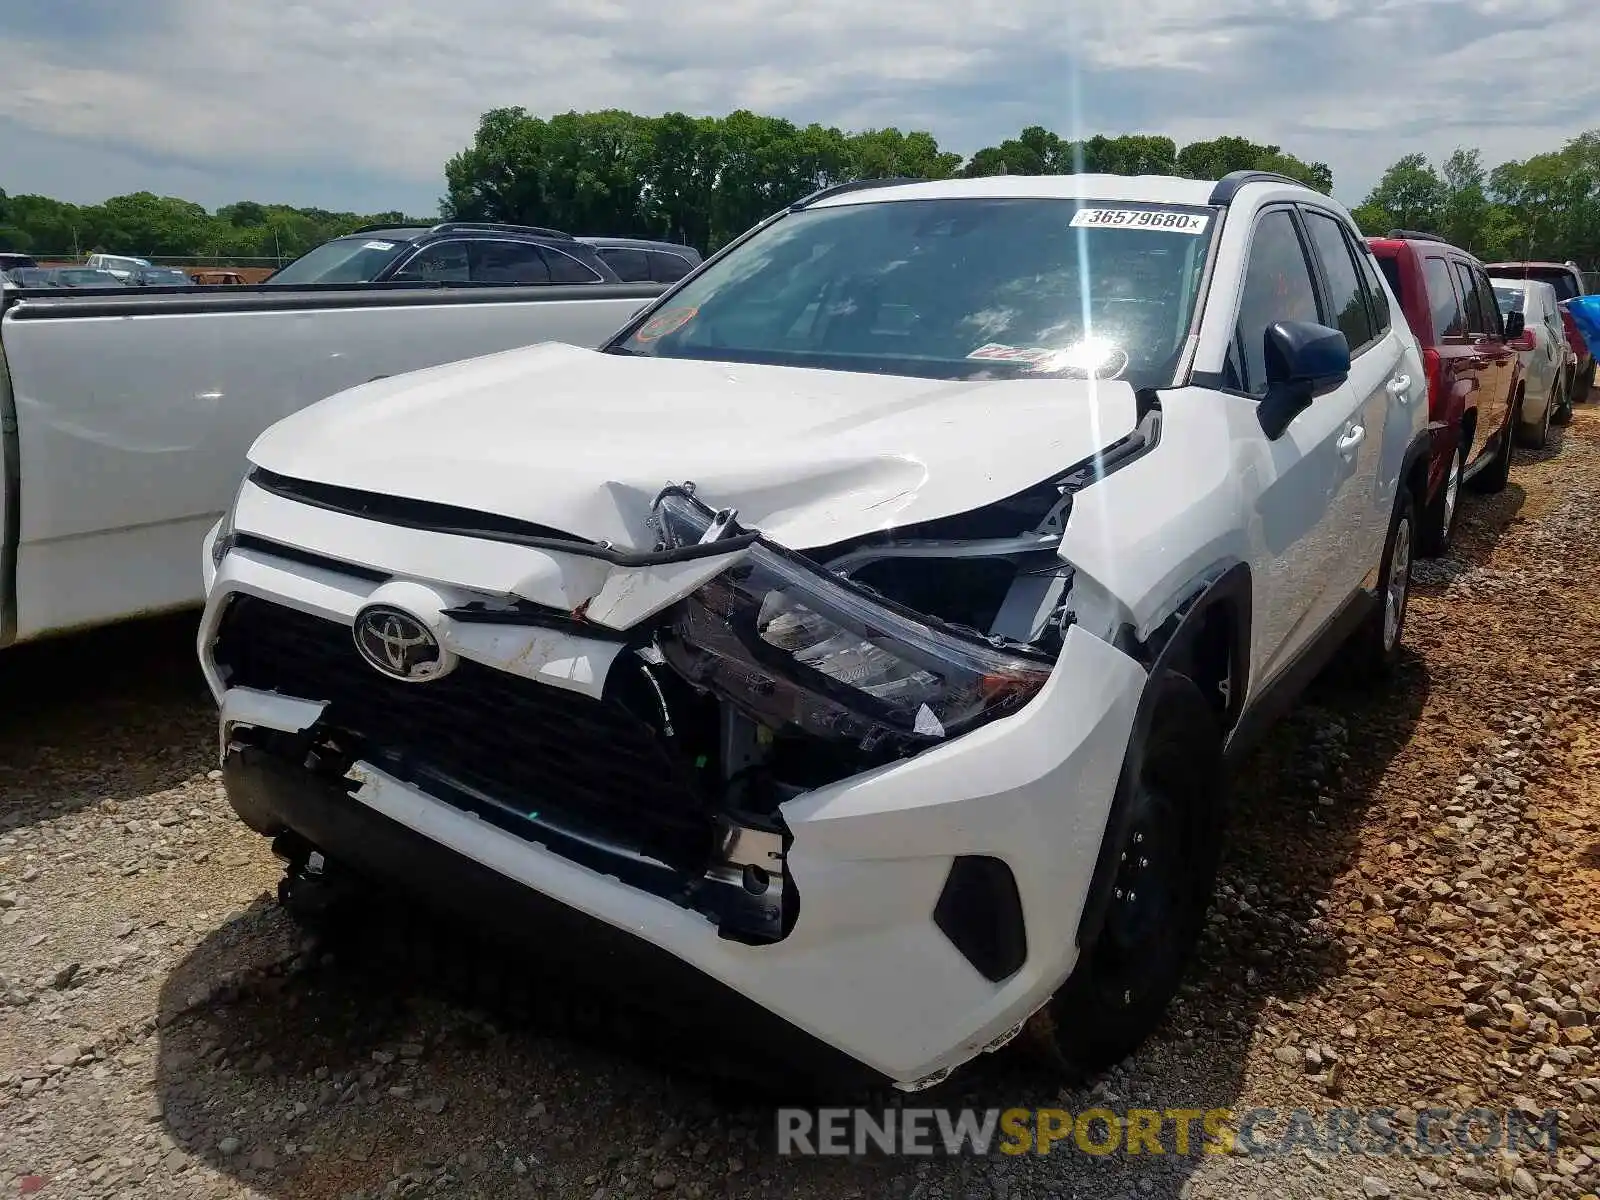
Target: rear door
point(1360, 503)
point(1490, 361)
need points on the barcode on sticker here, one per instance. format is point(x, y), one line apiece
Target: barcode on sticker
point(1165, 220)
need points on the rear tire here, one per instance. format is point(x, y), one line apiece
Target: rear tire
point(1438, 521)
point(1563, 414)
point(1375, 648)
point(1535, 437)
point(1170, 846)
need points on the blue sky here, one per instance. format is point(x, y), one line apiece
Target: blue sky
point(347, 104)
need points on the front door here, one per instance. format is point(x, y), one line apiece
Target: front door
point(1299, 545)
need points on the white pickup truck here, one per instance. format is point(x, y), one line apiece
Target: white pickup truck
point(125, 416)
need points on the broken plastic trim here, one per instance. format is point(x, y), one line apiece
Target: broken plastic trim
point(426, 515)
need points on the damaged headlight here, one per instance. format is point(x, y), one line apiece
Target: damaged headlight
point(227, 535)
point(794, 647)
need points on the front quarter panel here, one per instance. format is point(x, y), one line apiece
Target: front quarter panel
point(1144, 536)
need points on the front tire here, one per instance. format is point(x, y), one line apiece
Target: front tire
point(1168, 853)
point(1376, 648)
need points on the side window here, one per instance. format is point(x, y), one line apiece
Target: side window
point(631, 266)
point(1493, 325)
point(1377, 298)
point(1477, 319)
point(442, 262)
point(508, 262)
point(566, 269)
point(666, 267)
point(1346, 298)
point(1277, 287)
point(1444, 299)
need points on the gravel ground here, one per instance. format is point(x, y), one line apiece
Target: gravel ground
point(1409, 918)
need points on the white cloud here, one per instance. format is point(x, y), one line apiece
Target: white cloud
point(346, 87)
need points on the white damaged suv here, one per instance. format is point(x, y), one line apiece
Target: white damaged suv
point(865, 627)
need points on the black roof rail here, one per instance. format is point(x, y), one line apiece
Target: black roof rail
point(381, 225)
point(1412, 235)
point(500, 227)
point(854, 185)
point(1228, 186)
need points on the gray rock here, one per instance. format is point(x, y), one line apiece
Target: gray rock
point(434, 1104)
point(663, 1180)
point(1523, 1181)
point(262, 1160)
point(1375, 1188)
point(228, 1147)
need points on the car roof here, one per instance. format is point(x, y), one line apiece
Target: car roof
point(1534, 266)
point(400, 233)
point(1396, 239)
point(1156, 189)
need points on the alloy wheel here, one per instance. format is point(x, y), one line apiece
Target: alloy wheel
point(1398, 591)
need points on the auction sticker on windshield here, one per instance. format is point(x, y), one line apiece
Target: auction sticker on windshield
point(1164, 220)
point(667, 321)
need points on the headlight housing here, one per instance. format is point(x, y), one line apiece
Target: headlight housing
point(796, 648)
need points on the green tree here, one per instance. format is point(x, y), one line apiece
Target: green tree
point(1410, 195)
point(1465, 212)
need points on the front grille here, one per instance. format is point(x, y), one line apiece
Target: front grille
point(518, 752)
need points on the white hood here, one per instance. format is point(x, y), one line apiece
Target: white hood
point(582, 441)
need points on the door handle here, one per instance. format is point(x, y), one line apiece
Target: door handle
point(1400, 386)
point(1352, 438)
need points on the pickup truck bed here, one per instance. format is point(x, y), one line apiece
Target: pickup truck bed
point(125, 417)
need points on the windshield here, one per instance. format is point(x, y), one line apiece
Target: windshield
point(343, 260)
point(81, 277)
point(1510, 298)
point(952, 289)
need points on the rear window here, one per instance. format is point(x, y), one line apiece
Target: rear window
point(1565, 284)
point(1444, 301)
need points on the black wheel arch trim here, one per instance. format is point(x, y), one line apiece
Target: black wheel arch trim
point(1421, 446)
point(1233, 588)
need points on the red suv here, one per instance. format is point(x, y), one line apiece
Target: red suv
point(1474, 373)
point(1567, 280)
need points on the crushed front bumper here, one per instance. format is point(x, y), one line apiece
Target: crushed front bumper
point(868, 969)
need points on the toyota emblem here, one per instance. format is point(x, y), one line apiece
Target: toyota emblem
point(398, 645)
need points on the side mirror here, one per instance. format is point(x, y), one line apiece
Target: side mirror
point(1516, 323)
point(1304, 360)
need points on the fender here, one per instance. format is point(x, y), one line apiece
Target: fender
point(1175, 649)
